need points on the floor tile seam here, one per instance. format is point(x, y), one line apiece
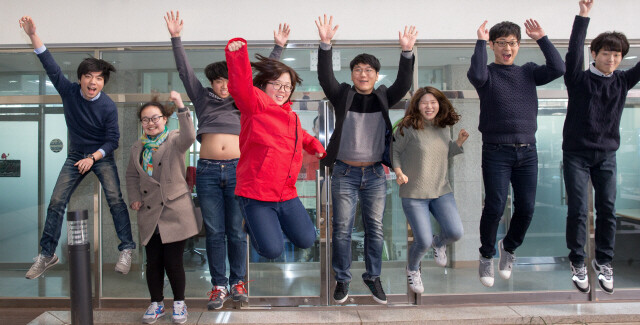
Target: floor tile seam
point(515, 311)
point(54, 316)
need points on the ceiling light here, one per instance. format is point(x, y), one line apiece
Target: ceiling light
point(633, 57)
point(288, 59)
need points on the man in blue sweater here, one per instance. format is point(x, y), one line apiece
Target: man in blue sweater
point(92, 123)
point(508, 123)
point(591, 137)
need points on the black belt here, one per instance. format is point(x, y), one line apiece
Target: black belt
point(516, 145)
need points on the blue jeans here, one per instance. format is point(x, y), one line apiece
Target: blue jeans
point(369, 184)
point(501, 164)
point(444, 211)
point(68, 180)
point(266, 221)
point(601, 167)
point(216, 184)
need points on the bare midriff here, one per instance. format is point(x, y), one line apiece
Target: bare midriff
point(358, 163)
point(220, 146)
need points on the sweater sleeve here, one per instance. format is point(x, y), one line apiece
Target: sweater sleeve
point(192, 85)
point(54, 72)
point(403, 81)
point(574, 60)
point(241, 78)
point(398, 147)
point(327, 79)
point(312, 145)
point(454, 149)
point(633, 76)
point(478, 73)
point(276, 52)
point(554, 67)
point(112, 135)
point(187, 131)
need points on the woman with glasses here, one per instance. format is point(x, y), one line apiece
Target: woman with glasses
point(158, 190)
point(421, 155)
point(271, 144)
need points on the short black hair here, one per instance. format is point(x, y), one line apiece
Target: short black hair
point(365, 58)
point(217, 70)
point(504, 29)
point(610, 41)
point(89, 65)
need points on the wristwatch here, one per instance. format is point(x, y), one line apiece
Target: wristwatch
point(92, 158)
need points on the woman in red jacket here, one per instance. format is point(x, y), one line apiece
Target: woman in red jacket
point(271, 144)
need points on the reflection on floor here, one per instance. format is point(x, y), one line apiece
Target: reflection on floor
point(303, 279)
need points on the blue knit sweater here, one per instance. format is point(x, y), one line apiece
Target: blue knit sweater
point(595, 102)
point(92, 125)
point(508, 98)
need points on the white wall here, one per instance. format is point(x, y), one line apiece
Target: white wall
point(140, 21)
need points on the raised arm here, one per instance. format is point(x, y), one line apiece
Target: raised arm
point(187, 131)
point(280, 37)
point(192, 85)
point(574, 60)
point(53, 70)
point(241, 76)
point(478, 73)
point(554, 66)
point(455, 147)
point(404, 79)
point(327, 79)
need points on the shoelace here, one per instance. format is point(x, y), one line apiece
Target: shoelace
point(214, 294)
point(152, 309)
point(123, 257)
point(415, 278)
point(606, 270)
point(178, 309)
point(580, 272)
point(240, 287)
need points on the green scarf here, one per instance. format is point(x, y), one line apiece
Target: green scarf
point(151, 145)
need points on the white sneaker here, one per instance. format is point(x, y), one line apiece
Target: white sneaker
point(506, 261)
point(40, 265)
point(415, 281)
point(124, 261)
point(485, 271)
point(152, 314)
point(580, 277)
point(605, 276)
point(179, 312)
point(439, 253)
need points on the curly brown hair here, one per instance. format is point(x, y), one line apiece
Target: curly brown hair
point(166, 110)
point(270, 69)
point(447, 114)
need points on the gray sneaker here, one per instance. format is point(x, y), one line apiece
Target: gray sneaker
point(124, 261)
point(485, 271)
point(580, 277)
point(40, 265)
point(439, 253)
point(239, 292)
point(506, 262)
point(217, 296)
point(605, 276)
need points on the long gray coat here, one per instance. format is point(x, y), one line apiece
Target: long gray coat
point(166, 198)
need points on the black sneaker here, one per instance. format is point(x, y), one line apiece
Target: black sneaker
point(341, 293)
point(605, 276)
point(580, 278)
point(376, 290)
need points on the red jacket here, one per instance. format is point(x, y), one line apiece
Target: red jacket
point(271, 137)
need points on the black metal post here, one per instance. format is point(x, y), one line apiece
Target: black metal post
point(79, 267)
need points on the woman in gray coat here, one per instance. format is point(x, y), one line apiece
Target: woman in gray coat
point(158, 190)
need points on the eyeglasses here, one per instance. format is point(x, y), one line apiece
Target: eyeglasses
point(504, 43)
point(278, 85)
point(366, 71)
point(154, 119)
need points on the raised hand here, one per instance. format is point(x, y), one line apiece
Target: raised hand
point(408, 38)
point(483, 32)
point(234, 46)
point(533, 29)
point(585, 7)
point(325, 29)
point(282, 35)
point(28, 25)
point(463, 135)
point(175, 97)
point(174, 23)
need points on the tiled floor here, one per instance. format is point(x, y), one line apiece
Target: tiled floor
point(594, 313)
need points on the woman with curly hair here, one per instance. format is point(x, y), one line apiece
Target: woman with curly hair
point(271, 144)
point(421, 154)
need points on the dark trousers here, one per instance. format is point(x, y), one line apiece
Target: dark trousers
point(165, 257)
point(503, 164)
point(601, 167)
point(266, 221)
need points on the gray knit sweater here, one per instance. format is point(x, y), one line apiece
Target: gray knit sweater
point(423, 155)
